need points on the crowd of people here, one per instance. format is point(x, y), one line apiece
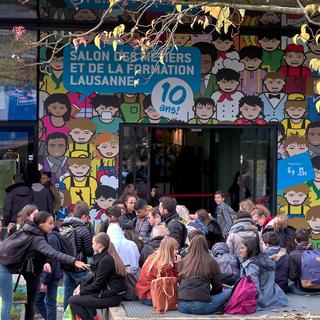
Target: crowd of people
point(205, 256)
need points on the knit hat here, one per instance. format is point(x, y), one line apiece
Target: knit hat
point(294, 48)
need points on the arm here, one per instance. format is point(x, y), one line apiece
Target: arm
point(230, 243)
point(101, 277)
point(7, 208)
point(252, 270)
point(216, 285)
point(86, 241)
point(293, 268)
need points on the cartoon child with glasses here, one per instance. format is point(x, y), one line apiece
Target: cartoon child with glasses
point(204, 109)
point(295, 201)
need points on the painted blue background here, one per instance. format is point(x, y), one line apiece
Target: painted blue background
point(144, 86)
point(288, 179)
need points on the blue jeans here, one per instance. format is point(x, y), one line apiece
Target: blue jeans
point(293, 289)
point(6, 292)
point(71, 281)
point(46, 302)
point(200, 307)
point(146, 302)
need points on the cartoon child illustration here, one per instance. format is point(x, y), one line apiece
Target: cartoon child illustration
point(313, 137)
point(65, 203)
point(313, 219)
point(182, 39)
point(313, 97)
point(152, 116)
point(204, 109)
point(81, 185)
point(313, 53)
point(53, 82)
point(272, 55)
point(58, 112)
point(56, 162)
point(294, 144)
point(269, 18)
point(295, 107)
point(315, 183)
point(250, 111)
point(208, 80)
point(131, 106)
point(228, 97)
point(81, 134)
point(85, 15)
point(274, 98)
point(252, 77)
point(295, 201)
point(107, 150)
point(105, 196)
point(223, 42)
point(107, 107)
point(296, 74)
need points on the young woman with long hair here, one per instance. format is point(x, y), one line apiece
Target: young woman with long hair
point(106, 287)
point(261, 269)
point(163, 262)
point(200, 287)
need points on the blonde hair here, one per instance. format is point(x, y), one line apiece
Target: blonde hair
point(164, 256)
point(261, 211)
point(183, 212)
point(246, 205)
point(160, 230)
point(280, 222)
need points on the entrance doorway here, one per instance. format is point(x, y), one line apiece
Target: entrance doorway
point(191, 163)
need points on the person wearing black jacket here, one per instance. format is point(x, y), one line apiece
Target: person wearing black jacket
point(83, 244)
point(17, 196)
point(105, 287)
point(173, 222)
point(200, 287)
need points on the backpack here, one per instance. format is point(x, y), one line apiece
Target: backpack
point(130, 283)
point(310, 269)
point(243, 299)
point(67, 238)
point(229, 265)
point(164, 294)
point(14, 249)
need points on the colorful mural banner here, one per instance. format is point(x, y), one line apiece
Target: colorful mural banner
point(90, 70)
point(295, 170)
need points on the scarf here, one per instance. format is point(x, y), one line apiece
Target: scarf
point(314, 149)
point(224, 96)
point(57, 164)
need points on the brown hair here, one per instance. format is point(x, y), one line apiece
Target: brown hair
point(280, 222)
point(79, 161)
point(313, 212)
point(164, 255)
point(120, 267)
point(25, 213)
point(82, 124)
point(295, 100)
point(274, 75)
point(261, 211)
point(81, 209)
point(203, 216)
point(198, 261)
point(246, 205)
point(297, 188)
point(294, 138)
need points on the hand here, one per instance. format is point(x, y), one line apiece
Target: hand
point(81, 265)
point(76, 291)
point(43, 288)
point(47, 268)
point(10, 226)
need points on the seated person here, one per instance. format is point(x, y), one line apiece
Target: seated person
point(162, 262)
point(261, 269)
point(279, 256)
point(295, 264)
point(106, 286)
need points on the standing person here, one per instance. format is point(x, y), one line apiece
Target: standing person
point(200, 287)
point(32, 267)
point(141, 224)
point(223, 213)
point(177, 229)
point(42, 196)
point(234, 191)
point(46, 299)
point(243, 228)
point(106, 287)
point(47, 182)
point(214, 234)
point(262, 271)
point(17, 196)
point(130, 201)
point(83, 239)
point(154, 217)
point(162, 263)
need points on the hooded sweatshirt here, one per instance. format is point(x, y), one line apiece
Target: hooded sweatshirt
point(42, 197)
point(17, 196)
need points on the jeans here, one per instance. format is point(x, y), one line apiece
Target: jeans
point(146, 302)
point(293, 289)
point(46, 302)
point(6, 292)
point(71, 281)
point(200, 307)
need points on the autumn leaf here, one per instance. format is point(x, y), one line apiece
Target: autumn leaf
point(303, 33)
point(242, 12)
point(75, 43)
point(317, 39)
point(314, 64)
point(137, 72)
point(295, 38)
point(161, 58)
point(213, 11)
point(115, 45)
point(97, 41)
point(206, 22)
point(136, 82)
point(179, 7)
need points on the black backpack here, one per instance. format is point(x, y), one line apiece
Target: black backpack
point(14, 251)
point(67, 238)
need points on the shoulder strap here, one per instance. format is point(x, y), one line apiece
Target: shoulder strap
point(71, 182)
point(87, 182)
